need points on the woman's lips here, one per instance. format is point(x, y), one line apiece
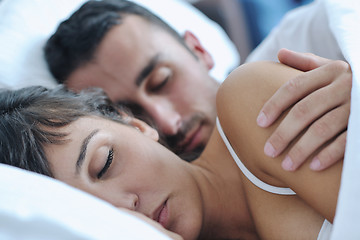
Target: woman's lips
point(163, 215)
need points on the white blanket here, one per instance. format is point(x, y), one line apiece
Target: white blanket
point(344, 20)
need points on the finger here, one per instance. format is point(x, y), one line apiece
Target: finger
point(304, 113)
point(321, 131)
point(301, 61)
point(293, 90)
point(331, 154)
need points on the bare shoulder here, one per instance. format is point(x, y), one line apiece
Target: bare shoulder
point(261, 77)
point(239, 101)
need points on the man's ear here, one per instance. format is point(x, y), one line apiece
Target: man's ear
point(144, 128)
point(194, 44)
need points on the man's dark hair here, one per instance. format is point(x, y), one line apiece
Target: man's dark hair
point(75, 41)
point(30, 118)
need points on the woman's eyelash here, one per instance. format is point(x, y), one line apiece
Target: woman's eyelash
point(107, 163)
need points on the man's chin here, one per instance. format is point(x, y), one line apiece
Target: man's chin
point(191, 155)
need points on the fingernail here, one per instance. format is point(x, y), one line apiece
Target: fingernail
point(287, 164)
point(261, 119)
point(315, 164)
point(269, 150)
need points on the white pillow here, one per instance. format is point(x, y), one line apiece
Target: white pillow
point(33, 206)
point(24, 28)
point(26, 25)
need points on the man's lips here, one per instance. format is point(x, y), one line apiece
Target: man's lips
point(161, 215)
point(192, 139)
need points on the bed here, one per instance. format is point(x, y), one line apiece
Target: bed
point(37, 207)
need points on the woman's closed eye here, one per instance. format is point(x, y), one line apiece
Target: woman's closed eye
point(108, 162)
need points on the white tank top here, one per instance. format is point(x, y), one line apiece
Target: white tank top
point(325, 230)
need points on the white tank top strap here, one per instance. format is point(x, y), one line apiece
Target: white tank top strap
point(257, 182)
point(325, 231)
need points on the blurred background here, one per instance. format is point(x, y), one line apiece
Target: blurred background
point(247, 22)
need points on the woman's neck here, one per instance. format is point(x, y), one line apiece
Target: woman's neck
point(226, 212)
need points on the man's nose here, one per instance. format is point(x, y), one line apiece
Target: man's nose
point(167, 119)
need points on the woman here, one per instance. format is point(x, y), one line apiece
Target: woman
point(71, 138)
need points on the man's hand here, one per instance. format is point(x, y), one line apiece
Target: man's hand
point(322, 101)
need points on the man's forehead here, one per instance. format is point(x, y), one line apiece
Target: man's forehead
point(119, 85)
point(94, 76)
point(133, 21)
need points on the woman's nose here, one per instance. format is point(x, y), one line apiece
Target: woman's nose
point(129, 201)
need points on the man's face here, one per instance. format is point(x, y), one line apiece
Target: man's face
point(141, 64)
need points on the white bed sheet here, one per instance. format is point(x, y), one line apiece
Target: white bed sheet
point(344, 19)
point(35, 207)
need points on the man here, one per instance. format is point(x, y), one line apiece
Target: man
point(142, 62)
point(164, 74)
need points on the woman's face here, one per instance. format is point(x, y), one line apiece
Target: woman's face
point(127, 168)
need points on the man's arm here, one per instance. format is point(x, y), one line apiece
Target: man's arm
point(321, 99)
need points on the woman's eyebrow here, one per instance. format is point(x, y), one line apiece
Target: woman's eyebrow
point(83, 148)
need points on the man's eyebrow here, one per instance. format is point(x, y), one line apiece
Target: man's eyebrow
point(83, 148)
point(147, 70)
